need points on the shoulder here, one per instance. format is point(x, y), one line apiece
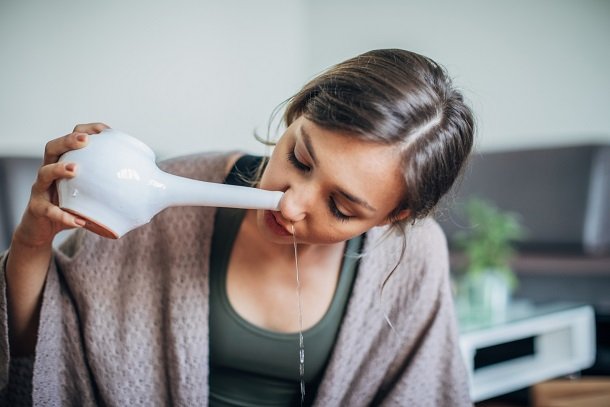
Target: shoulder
point(415, 258)
point(426, 249)
point(208, 166)
point(420, 239)
point(429, 237)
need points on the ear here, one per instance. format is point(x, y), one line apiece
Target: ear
point(403, 214)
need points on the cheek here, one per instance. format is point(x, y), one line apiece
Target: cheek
point(329, 230)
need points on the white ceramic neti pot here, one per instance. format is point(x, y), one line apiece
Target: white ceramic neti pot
point(118, 186)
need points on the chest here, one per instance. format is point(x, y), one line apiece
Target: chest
point(264, 290)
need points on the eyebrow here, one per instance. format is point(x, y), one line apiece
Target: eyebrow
point(356, 200)
point(309, 146)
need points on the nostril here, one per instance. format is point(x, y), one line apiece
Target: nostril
point(290, 207)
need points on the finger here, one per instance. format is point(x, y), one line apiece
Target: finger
point(55, 148)
point(56, 214)
point(90, 128)
point(47, 174)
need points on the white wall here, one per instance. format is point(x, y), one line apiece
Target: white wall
point(182, 76)
point(536, 72)
point(201, 75)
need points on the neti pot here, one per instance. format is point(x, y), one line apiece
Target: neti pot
point(119, 187)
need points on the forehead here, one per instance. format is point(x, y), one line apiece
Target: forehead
point(364, 168)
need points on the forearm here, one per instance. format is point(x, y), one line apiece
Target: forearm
point(26, 271)
point(30, 252)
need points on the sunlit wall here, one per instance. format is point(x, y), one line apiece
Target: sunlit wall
point(536, 72)
point(183, 76)
point(188, 76)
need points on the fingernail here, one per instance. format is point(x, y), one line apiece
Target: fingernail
point(70, 167)
point(80, 222)
point(81, 137)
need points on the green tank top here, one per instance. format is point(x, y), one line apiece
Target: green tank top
point(252, 366)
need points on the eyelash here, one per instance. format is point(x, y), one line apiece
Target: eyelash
point(332, 206)
point(336, 212)
point(297, 164)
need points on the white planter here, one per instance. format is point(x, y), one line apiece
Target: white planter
point(484, 296)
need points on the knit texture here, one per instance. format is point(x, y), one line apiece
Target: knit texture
point(125, 322)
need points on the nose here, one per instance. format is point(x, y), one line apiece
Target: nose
point(295, 204)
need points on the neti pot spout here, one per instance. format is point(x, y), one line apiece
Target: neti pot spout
point(118, 187)
point(182, 191)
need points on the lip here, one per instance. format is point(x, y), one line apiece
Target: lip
point(275, 226)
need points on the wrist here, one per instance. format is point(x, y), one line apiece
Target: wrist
point(21, 242)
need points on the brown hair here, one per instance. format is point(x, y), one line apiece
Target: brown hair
point(401, 98)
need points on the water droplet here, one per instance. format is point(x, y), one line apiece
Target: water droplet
point(301, 343)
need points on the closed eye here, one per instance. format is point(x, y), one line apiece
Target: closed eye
point(292, 158)
point(336, 212)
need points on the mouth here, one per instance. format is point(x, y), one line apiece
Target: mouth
point(275, 225)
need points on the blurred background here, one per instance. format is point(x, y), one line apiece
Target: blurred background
point(202, 75)
point(189, 76)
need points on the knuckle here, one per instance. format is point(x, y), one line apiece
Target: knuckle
point(68, 139)
point(39, 180)
point(66, 218)
point(47, 211)
point(30, 210)
point(47, 147)
point(41, 174)
point(90, 128)
point(57, 170)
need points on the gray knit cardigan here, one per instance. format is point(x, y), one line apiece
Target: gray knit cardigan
point(125, 322)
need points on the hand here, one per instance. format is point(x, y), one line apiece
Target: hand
point(43, 218)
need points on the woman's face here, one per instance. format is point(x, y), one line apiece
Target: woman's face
point(335, 186)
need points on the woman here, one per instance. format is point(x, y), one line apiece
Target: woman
point(199, 306)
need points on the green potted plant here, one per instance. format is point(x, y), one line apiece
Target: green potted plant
point(487, 280)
